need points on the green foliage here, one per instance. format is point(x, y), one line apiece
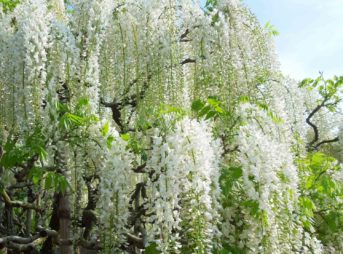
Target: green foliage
point(253, 207)
point(105, 128)
point(16, 153)
point(157, 117)
point(228, 178)
point(263, 106)
point(210, 4)
point(330, 90)
point(211, 108)
point(9, 5)
point(56, 181)
point(271, 30)
point(227, 249)
point(135, 145)
point(275, 118)
point(51, 179)
point(152, 249)
point(316, 165)
point(320, 192)
point(36, 175)
point(169, 109)
point(71, 119)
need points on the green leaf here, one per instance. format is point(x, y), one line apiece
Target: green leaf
point(105, 129)
point(56, 181)
point(204, 111)
point(213, 101)
point(43, 154)
point(144, 156)
point(82, 102)
point(210, 114)
point(197, 105)
point(227, 249)
point(253, 207)
point(326, 185)
point(49, 180)
point(243, 99)
point(125, 136)
point(276, 119)
point(229, 176)
point(306, 82)
point(13, 157)
point(36, 175)
point(271, 30)
point(75, 119)
point(61, 183)
point(9, 5)
point(307, 206)
point(215, 18)
point(109, 141)
point(152, 249)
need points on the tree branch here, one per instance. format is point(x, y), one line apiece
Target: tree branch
point(314, 127)
point(19, 243)
point(140, 169)
point(89, 218)
point(183, 37)
point(137, 241)
point(116, 112)
point(311, 145)
point(326, 142)
point(188, 60)
point(15, 203)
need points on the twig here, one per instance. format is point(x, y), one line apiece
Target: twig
point(326, 142)
point(188, 60)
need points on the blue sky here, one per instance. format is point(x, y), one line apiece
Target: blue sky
point(311, 34)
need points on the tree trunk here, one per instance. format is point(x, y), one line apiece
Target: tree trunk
point(64, 214)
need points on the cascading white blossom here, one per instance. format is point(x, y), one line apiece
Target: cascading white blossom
point(185, 188)
point(25, 42)
point(270, 181)
point(113, 164)
point(89, 27)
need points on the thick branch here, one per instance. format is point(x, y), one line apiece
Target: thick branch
point(116, 113)
point(137, 241)
point(136, 211)
point(19, 247)
point(44, 232)
point(15, 203)
point(19, 243)
point(128, 100)
point(18, 239)
point(89, 218)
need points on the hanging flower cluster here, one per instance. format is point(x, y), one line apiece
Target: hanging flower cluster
point(114, 164)
point(270, 184)
point(24, 46)
point(185, 188)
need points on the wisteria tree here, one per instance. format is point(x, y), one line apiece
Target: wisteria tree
point(155, 126)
